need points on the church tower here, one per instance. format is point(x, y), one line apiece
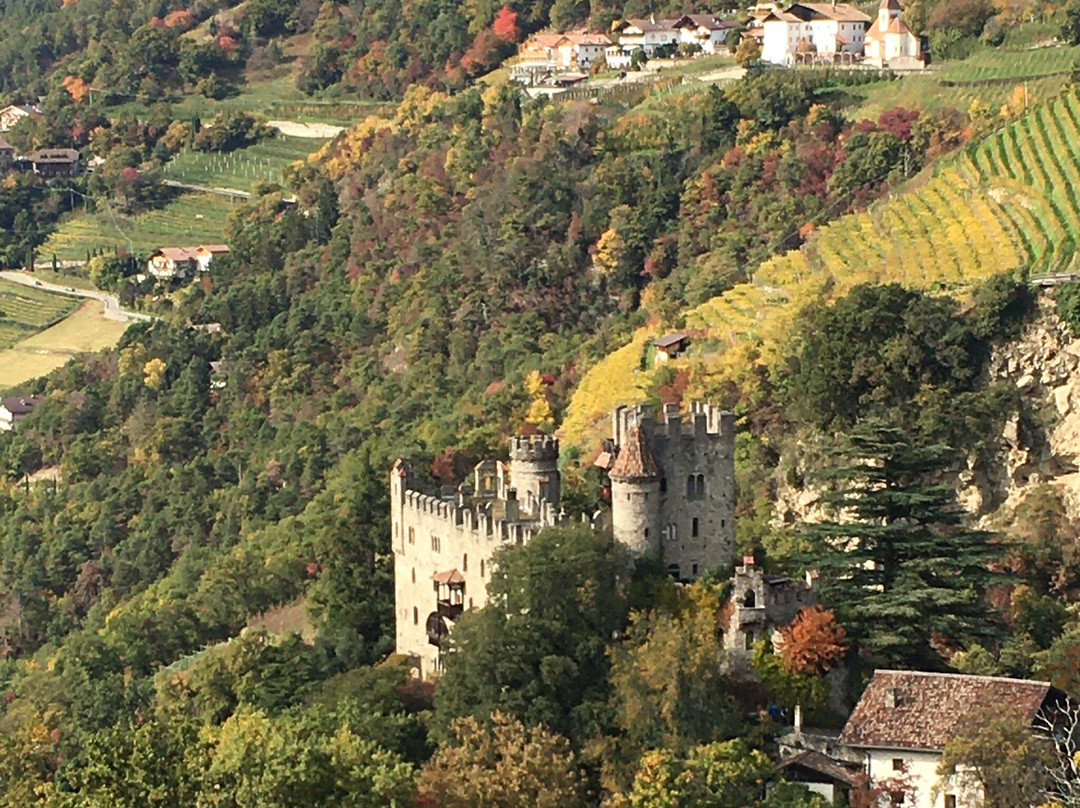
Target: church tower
point(887, 11)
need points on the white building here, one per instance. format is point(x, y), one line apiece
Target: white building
point(181, 262)
point(830, 30)
point(889, 42)
point(707, 31)
point(648, 34)
point(13, 114)
point(905, 719)
point(574, 50)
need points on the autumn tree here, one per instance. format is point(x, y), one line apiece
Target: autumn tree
point(506, 25)
point(748, 52)
point(502, 764)
point(813, 643)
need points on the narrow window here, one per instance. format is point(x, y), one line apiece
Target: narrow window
point(415, 616)
point(663, 485)
point(470, 603)
point(721, 523)
point(694, 528)
point(700, 487)
point(412, 536)
point(693, 569)
point(646, 533)
point(748, 640)
point(690, 487)
point(414, 575)
point(465, 563)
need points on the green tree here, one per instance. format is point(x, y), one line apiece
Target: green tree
point(900, 567)
point(1070, 22)
point(502, 764)
point(537, 650)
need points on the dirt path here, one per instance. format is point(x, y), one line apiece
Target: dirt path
point(311, 130)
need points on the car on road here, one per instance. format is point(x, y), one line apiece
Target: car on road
point(37, 283)
point(70, 289)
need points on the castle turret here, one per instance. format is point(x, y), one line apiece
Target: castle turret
point(534, 471)
point(635, 495)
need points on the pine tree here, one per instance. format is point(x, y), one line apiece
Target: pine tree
point(899, 565)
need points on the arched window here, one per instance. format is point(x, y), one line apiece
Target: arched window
point(673, 571)
point(415, 616)
point(749, 600)
point(700, 487)
point(465, 562)
point(694, 527)
point(691, 488)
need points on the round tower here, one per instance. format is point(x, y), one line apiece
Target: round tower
point(635, 495)
point(534, 471)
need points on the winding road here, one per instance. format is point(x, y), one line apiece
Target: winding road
point(113, 309)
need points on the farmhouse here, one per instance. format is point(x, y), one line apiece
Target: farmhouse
point(56, 162)
point(14, 409)
point(649, 34)
point(905, 718)
point(670, 346)
point(11, 115)
point(706, 31)
point(834, 31)
point(574, 50)
point(168, 263)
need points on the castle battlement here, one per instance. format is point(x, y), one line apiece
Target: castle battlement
point(534, 448)
point(706, 422)
point(495, 519)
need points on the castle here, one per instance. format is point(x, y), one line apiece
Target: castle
point(672, 496)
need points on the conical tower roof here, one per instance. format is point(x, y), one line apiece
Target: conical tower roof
point(635, 460)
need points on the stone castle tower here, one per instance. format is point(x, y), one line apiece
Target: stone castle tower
point(673, 494)
point(673, 485)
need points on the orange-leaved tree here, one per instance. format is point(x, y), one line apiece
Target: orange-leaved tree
point(814, 642)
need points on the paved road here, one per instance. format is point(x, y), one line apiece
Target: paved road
point(113, 309)
point(236, 193)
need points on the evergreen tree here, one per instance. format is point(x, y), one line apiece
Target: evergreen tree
point(899, 565)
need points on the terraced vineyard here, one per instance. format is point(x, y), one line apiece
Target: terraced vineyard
point(188, 219)
point(243, 168)
point(1009, 201)
point(24, 311)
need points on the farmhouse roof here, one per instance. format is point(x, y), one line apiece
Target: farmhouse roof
point(20, 405)
point(55, 156)
point(5, 146)
point(635, 461)
point(214, 249)
point(709, 21)
point(917, 710)
point(177, 253)
point(842, 12)
point(652, 24)
point(544, 40)
point(668, 340)
point(822, 765)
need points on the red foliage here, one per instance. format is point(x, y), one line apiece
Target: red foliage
point(505, 25)
point(898, 121)
point(813, 643)
point(227, 45)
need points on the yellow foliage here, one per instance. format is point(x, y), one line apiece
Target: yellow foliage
point(534, 384)
point(610, 250)
point(540, 415)
point(154, 373)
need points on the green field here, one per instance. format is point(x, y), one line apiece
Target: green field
point(932, 91)
point(189, 219)
point(25, 310)
point(243, 168)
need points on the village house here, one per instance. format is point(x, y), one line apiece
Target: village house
point(13, 114)
point(890, 43)
point(707, 31)
point(904, 719)
point(55, 162)
point(14, 409)
point(574, 50)
point(833, 779)
point(650, 35)
point(168, 263)
point(830, 31)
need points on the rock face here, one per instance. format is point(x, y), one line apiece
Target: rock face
point(1044, 365)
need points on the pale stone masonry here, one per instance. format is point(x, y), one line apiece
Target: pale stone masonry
point(672, 495)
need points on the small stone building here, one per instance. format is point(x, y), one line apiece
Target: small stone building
point(762, 603)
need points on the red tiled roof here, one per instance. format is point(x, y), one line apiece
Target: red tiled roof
point(448, 577)
point(635, 461)
point(915, 710)
point(838, 11)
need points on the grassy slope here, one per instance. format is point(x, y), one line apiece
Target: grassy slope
point(1007, 202)
point(25, 311)
point(85, 330)
point(189, 219)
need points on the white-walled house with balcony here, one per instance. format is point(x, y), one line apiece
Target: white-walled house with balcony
point(833, 31)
